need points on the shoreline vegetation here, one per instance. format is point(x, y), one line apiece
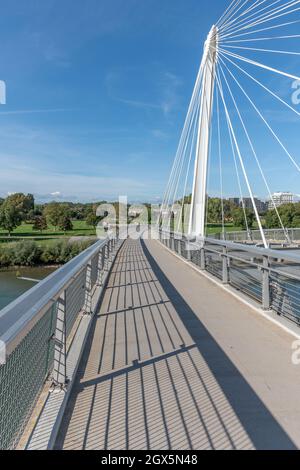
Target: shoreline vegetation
point(29, 253)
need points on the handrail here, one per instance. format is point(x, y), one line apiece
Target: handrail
point(270, 253)
point(17, 318)
point(258, 275)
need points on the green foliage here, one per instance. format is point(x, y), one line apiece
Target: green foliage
point(289, 214)
point(23, 203)
point(40, 223)
point(65, 223)
point(30, 253)
point(238, 217)
point(214, 210)
point(25, 253)
point(10, 216)
point(53, 213)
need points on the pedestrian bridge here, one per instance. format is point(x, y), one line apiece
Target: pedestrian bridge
point(166, 357)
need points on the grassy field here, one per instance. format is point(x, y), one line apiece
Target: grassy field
point(80, 228)
point(217, 228)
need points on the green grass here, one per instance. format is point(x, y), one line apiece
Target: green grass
point(217, 228)
point(80, 228)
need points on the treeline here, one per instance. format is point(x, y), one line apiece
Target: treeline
point(288, 213)
point(21, 208)
point(30, 253)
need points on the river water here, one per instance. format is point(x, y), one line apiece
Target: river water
point(11, 287)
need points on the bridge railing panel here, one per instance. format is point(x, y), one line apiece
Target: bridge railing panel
point(23, 376)
point(36, 327)
point(271, 277)
point(75, 298)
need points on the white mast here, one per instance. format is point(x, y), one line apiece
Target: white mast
point(209, 60)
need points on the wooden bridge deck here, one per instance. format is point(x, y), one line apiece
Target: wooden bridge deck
point(175, 362)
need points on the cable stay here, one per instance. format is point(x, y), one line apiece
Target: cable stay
point(215, 110)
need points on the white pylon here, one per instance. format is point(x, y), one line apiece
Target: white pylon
point(198, 203)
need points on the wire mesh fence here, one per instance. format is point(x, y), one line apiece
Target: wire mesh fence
point(23, 376)
point(31, 359)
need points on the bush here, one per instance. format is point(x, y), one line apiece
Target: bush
point(26, 253)
point(29, 253)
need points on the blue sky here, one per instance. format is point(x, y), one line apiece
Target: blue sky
point(97, 93)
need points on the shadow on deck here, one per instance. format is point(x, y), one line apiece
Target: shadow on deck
point(153, 377)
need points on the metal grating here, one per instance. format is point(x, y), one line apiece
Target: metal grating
point(75, 298)
point(23, 376)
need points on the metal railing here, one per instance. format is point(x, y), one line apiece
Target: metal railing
point(37, 330)
point(271, 277)
point(276, 235)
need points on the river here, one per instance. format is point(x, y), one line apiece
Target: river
point(11, 287)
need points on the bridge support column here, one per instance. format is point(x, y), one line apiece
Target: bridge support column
point(225, 273)
point(59, 375)
point(266, 284)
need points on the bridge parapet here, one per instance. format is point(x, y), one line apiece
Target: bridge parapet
point(44, 331)
point(271, 235)
point(270, 277)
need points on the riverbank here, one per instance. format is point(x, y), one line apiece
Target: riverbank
point(11, 286)
point(32, 253)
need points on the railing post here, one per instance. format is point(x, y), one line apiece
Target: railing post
point(59, 375)
point(106, 256)
point(225, 276)
point(265, 284)
point(110, 245)
point(172, 243)
point(87, 309)
point(100, 268)
point(188, 252)
point(202, 258)
point(179, 246)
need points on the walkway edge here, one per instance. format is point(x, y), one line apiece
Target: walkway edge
point(282, 323)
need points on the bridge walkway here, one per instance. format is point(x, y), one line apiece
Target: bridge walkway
point(174, 362)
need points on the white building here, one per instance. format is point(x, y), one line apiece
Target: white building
point(280, 198)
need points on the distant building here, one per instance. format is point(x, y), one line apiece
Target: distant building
point(279, 199)
point(260, 205)
point(235, 201)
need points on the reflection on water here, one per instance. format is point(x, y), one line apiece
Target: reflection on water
point(11, 287)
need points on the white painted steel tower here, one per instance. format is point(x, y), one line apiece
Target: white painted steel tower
point(208, 69)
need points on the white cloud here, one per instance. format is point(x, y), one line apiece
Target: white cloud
point(36, 181)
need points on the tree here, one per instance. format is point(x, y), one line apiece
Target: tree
point(10, 216)
point(24, 203)
point(214, 210)
point(92, 219)
point(239, 218)
point(40, 223)
point(289, 214)
point(65, 223)
point(53, 213)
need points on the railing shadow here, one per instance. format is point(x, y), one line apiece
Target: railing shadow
point(153, 377)
point(260, 425)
